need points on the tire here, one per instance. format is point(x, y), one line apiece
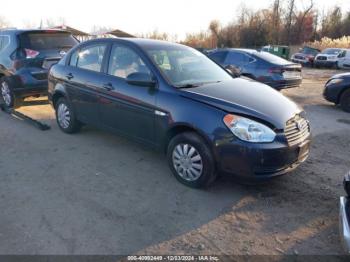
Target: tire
point(7, 95)
point(198, 160)
point(345, 101)
point(336, 66)
point(65, 117)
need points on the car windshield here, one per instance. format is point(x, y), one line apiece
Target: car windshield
point(47, 40)
point(309, 51)
point(331, 51)
point(186, 67)
point(271, 58)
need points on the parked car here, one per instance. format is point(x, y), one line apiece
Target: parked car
point(337, 90)
point(344, 59)
point(25, 58)
point(344, 215)
point(305, 56)
point(278, 50)
point(260, 66)
point(176, 100)
point(328, 57)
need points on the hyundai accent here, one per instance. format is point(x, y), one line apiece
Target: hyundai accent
point(176, 100)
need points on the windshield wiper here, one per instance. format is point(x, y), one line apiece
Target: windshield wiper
point(187, 85)
point(191, 85)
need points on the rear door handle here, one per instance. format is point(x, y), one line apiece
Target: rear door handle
point(69, 76)
point(108, 86)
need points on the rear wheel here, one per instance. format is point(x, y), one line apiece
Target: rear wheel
point(191, 160)
point(65, 117)
point(345, 101)
point(7, 93)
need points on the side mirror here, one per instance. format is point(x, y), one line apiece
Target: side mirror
point(141, 79)
point(234, 71)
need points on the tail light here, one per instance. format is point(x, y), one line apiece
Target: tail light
point(276, 70)
point(31, 53)
point(310, 58)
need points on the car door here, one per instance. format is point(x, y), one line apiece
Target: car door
point(84, 79)
point(346, 59)
point(128, 109)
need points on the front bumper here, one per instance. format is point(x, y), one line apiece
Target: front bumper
point(332, 92)
point(302, 61)
point(344, 223)
point(260, 161)
point(325, 63)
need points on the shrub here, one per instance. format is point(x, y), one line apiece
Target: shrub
point(343, 42)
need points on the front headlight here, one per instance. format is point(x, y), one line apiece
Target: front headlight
point(249, 130)
point(334, 81)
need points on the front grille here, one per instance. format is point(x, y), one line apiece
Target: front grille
point(297, 130)
point(323, 58)
point(40, 76)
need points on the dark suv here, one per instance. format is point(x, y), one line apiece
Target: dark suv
point(25, 58)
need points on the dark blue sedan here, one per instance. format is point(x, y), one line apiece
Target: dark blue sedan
point(178, 101)
point(337, 91)
point(260, 66)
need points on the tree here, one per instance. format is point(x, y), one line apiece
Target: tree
point(214, 28)
point(291, 7)
point(3, 22)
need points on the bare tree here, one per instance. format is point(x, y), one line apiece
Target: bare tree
point(214, 28)
point(30, 24)
point(3, 22)
point(291, 7)
point(304, 14)
point(276, 21)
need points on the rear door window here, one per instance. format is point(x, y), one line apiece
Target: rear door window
point(47, 40)
point(219, 57)
point(91, 57)
point(237, 58)
point(125, 61)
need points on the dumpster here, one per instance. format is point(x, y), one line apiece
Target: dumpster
point(279, 50)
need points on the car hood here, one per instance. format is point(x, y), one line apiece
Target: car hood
point(327, 55)
point(246, 97)
point(343, 75)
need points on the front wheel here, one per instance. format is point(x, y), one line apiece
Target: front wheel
point(191, 160)
point(345, 101)
point(65, 117)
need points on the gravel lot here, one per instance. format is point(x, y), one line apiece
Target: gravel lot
point(97, 193)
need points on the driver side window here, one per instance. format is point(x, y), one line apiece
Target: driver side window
point(125, 61)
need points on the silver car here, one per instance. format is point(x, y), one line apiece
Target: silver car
point(344, 215)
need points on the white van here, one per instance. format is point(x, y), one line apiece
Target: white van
point(344, 59)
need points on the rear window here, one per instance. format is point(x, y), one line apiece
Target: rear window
point(47, 41)
point(309, 51)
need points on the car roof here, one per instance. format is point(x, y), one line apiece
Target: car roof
point(140, 42)
point(243, 50)
point(19, 31)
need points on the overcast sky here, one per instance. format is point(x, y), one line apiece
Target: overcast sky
point(137, 16)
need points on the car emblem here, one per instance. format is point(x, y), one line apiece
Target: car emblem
point(63, 53)
point(299, 125)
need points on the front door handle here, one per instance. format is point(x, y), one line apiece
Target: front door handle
point(108, 86)
point(69, 76)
